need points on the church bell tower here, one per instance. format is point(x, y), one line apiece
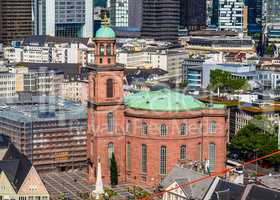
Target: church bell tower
point(105, 135)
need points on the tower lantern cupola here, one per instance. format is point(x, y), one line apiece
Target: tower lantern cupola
point(105, 44)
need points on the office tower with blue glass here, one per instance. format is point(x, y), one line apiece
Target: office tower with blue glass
point(65, 18)
point(254, 15)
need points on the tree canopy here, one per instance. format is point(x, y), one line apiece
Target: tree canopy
point(223, 80)
point(258, 137)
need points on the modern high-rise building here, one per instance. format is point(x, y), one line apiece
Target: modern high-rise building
point(215, 13)
point(161, 19)
point(66, 18)
point(15, 19)
point(193, 14)
point(254, 15)
point(271, 12)
point(231, 15)
point(118, 12)
point(135, 13)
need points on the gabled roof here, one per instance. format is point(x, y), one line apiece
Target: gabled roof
point(15, 165)
point(183, 175)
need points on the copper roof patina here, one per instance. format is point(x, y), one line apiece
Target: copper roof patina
point(166, 100)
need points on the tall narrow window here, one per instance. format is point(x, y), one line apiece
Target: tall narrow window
point(212, 127)
point(212, 156)
point(110, 152)
point(109, 88)
point(163, 160)
point(108, 50)
point(199, 151)
point(183, 152)
point(163, 130)
point(144, 128)
point(101, 50)
point(128, 158)
point(183, 129)
point(128, 127)
point(110, 121)
point(199, 127)
point(144, 158)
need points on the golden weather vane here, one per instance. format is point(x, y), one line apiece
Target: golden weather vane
point(106, 20)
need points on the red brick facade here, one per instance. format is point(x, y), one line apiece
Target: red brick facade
point(128, 131)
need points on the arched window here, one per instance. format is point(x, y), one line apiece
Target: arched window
point(101, 50)
point(144, 128)
point(108, 50)
point(109, 88)
point(183, 152)
point(163, 130)
point(212, 156)
point(183, 129)
point(199, 127)
point(128, 156)
point(110, 152)
point(128, 127)
point(144, 158)
point(110, 122)
point(163, 159)
point(212, 127)
point(199, 152)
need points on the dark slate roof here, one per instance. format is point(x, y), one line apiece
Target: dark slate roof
point(15, 165)
point(227, 191)
point(261, 193)
point(141, 75)
point(4, 141)
point(70, 70)
point(42, 39)
point(184, 175)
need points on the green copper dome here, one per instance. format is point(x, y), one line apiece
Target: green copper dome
point(105, 32)
point(164, 100)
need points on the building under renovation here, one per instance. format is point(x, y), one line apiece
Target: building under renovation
point(50, 131)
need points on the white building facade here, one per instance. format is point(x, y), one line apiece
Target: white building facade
point(66, 18)
point(231, 15)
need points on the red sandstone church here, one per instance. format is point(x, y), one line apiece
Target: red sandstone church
point(149, 132)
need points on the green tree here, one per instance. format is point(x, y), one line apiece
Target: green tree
point(270, 49)
point(113, 170)
point(222, 80)
point(183, 84)
point(258, 137)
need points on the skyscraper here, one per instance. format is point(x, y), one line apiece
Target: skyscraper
point(135, 13)
point(231, 15)
point(161, 19)
point(67, 18)
point(271, 12)
point(254, 15)
point(118, 12)
point(15, 19)
point(193, 14)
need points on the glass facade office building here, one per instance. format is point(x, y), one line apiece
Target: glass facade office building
point(118, 13)
point(66, 18)
point(271, 12)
